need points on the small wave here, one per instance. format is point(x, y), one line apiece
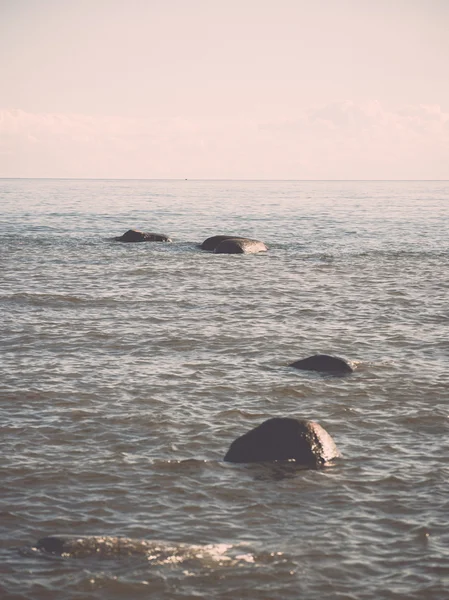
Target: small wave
point(42, 299)
point(54, 300)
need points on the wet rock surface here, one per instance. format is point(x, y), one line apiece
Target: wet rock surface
point(281, 439)
point(323, 363)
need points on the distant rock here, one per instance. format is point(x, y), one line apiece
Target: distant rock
point(233, 244)
point(323, 363)
point(212, 242)
point(240, 246)
point(281, 439)
point(133, 235)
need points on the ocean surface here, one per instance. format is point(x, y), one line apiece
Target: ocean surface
point(128, 369)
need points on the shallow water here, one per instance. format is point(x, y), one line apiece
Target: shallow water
point(128, 369)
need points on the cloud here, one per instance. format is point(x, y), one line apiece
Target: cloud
point(338, 140)
point(368, 142)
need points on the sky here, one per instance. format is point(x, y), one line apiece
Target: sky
point(224, 89)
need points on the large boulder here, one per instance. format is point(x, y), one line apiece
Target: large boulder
point(240, 246)
point(305, 442)
point(324, 364)
point(133, 235)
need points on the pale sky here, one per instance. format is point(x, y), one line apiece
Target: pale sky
point(238, 89)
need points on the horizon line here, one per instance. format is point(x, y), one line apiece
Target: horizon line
point(198, 179)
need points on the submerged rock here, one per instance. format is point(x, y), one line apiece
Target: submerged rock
point(240, 246)
point(98, 545)
point(154, 551)
point(306, 442)
point(324, 364)
point(133, 235)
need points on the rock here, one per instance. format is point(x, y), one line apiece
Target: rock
point(132, 235)
point(306, 442)
point(324, 364)
point(240, 246)
point(212, 242)
point(117, 547)
point(93, 545)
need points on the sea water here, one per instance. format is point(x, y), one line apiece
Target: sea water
point(128, 369)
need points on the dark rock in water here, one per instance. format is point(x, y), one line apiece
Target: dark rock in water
point(52, 544)
point(240, 246)
point(306, 442)
point(324, 364)
point(93, 545)
point(132, 235)
point(212, 242)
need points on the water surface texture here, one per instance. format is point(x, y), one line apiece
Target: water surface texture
point(128, 369)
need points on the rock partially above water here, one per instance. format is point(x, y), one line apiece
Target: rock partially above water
point(233, 244)
point(212, 242)
point(240, 246)
point(324, 364)
point(133, 235)
point(306, 442)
